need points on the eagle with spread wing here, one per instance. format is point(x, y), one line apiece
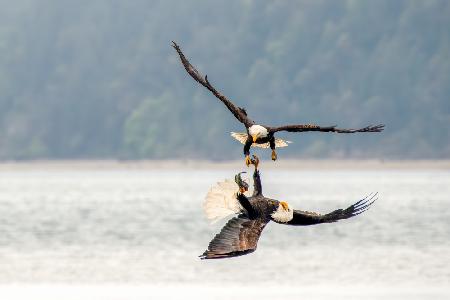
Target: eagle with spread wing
point(240, 235)
point(260, 135)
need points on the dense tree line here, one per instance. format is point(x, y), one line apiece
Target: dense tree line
point(99, 79)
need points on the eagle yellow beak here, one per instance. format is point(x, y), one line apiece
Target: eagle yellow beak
point(254, 138)
point(284, 205)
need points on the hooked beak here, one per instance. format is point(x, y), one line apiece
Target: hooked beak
point(284, 205)
point(254, 138)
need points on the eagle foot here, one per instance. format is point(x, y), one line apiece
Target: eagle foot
point(243, 186)
point(274, 155)
point(255, 161)
point(248, 161)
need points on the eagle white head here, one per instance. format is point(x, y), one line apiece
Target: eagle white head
point(284, 213)
point(257, 131)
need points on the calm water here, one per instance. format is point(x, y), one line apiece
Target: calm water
point(146, 228)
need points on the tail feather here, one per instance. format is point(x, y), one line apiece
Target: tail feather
point(221, 201)
point(242, 138)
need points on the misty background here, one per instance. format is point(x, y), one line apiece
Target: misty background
point(99, 79)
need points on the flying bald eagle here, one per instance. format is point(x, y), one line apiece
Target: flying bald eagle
point(260, 135)
point(240, 235)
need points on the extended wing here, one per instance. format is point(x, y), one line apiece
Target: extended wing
point(304, 218)
point(312, 127)
point(238, 112)
point(238, 237)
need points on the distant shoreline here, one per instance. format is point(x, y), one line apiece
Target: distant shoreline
point(325, 164)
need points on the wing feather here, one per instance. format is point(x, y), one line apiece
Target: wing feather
point(313, 127)
point(304, 218)
point(238, 237)
point(238, 112)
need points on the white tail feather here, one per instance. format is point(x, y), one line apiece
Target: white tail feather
point(221, 201)
point(242, 137)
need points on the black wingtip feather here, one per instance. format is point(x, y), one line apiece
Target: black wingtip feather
point(364, 204)
point(364, 207)
point(365, 199)
point(175, 45)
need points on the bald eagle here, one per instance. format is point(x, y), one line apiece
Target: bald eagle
point(260, 135)
point(240, 235)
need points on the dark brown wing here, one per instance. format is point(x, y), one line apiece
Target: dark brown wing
point(303, 218)
point(238, 112)
point(238, 237)
point(312, 127)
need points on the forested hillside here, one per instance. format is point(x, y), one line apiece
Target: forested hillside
point(99, 79)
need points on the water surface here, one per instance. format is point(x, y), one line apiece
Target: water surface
point(146, 228)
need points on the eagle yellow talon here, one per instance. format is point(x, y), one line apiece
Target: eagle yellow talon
point(248, 161)
point(274, 155)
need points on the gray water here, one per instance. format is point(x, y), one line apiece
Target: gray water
point(125, 228)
